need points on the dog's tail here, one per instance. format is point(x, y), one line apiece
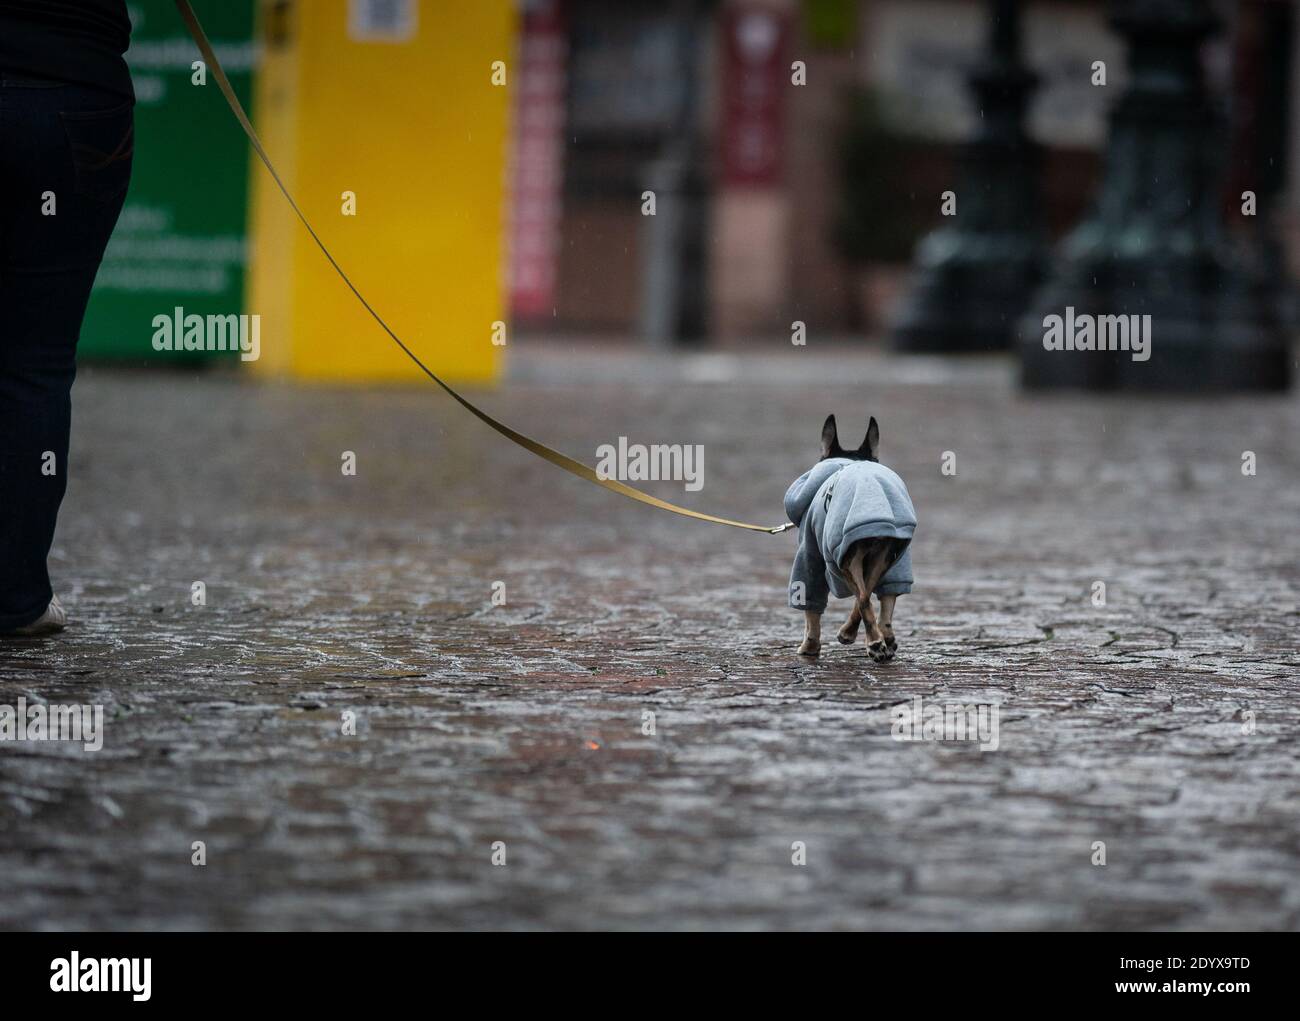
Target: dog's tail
point(867, 560)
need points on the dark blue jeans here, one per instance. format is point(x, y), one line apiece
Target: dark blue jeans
point(65, 161)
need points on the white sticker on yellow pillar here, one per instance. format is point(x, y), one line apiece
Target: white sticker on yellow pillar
point(381, 21)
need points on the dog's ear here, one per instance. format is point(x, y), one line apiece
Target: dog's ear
point(831, 439)
point(872, 443)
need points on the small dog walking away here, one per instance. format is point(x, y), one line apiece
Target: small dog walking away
point(855, 522)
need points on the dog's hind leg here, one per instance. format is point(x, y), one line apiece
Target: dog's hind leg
point(848, 633)
point(887, 621)
point(812, 634)
point(867, 564)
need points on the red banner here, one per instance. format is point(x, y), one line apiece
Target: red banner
point(537, 175)
point(756, 75)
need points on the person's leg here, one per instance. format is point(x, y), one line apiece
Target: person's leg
point(65, 161)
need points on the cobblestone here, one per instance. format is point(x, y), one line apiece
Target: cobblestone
point(1124, 723)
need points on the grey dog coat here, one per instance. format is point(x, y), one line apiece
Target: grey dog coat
point(835, 503)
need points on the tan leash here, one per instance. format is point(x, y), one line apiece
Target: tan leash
point(573, 467)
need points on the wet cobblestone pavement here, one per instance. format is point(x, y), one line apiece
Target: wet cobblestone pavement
point(1127, 723)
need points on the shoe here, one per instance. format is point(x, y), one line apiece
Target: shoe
point(55, 618)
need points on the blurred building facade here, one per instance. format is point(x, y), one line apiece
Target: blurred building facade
point(824, 132)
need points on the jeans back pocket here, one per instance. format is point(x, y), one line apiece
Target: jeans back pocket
point(102, 143)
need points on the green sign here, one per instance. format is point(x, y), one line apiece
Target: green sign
point(181, 242)
point(831, 24)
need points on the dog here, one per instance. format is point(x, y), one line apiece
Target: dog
point(855, 520)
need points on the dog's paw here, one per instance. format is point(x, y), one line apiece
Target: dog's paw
point(880, 651)
point(810, 648)
point(847, 635)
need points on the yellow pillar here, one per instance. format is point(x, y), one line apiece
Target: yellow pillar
point(405, 115)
